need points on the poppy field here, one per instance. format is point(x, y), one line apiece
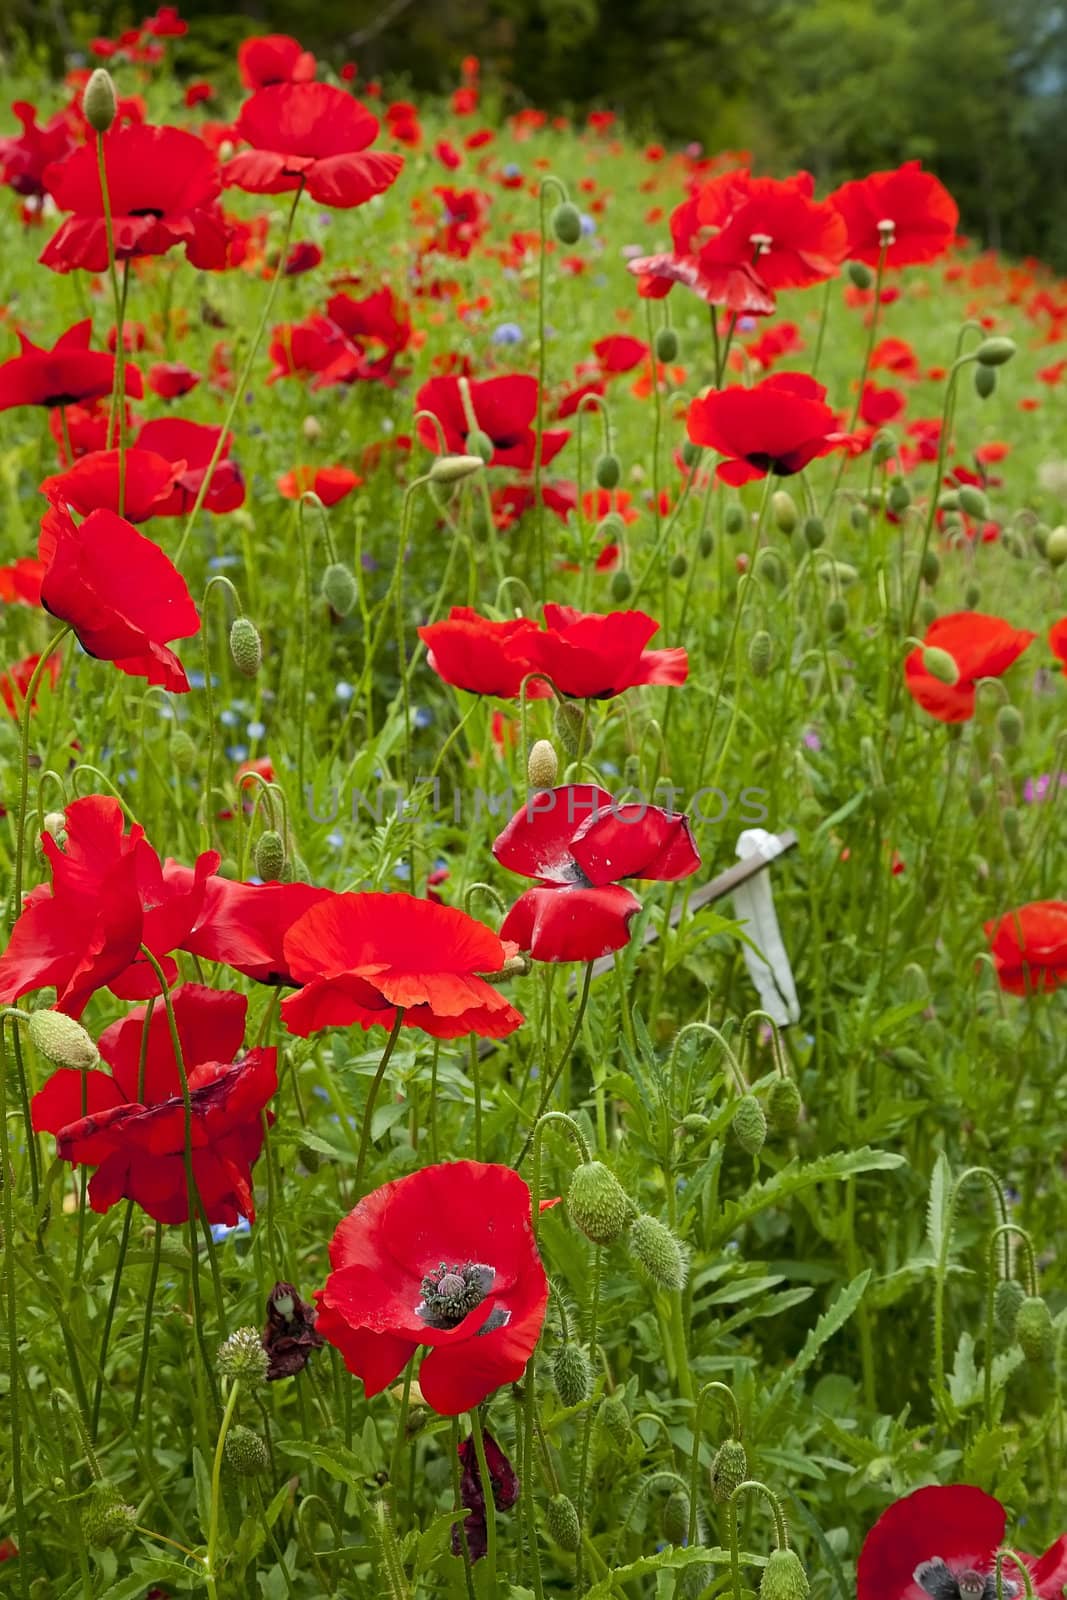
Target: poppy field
point(533, 747)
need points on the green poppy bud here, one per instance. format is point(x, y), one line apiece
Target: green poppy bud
point(339, 588)
point(783, 1106)
point(705, 543)
point(927, 612)
point(884, 447)
point(98, 101)
point(1034, 1329)
point(62, 1041)
point(1012, 822)
point(1056, 546)
point(679, 566)
point(542, 769)
point(995, 352)
point(859, 519)
point(107, 1519)
point(690, 452)
point(480, 446)
point(246, 1452)
point(733, 519)
point(622, 585)
point(784, 510)
point(985, 381)
point(940, 665)
point(976, 800)
point(973, 501)
point(654, 1247)
point(598, 1204)
point(562, 1520)
point(749, 1125)
point(860, 275)
point(571, 1374)
point(814, 532)
point(269, 856)
point(1009, 725)
point(694, 1123)
point(666, 344)
point(608, 471)
point(760, 653)
point(783, 1577)
point(837, 616)
point(971, 596)
point(567, 223)
point(246, 647)
point(615, 1417)
point(931, 567)
point(450, 469)
point(728, 1469)
point(676, 1517)
point(899, 497)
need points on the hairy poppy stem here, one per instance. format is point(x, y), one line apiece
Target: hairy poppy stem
point(149, 1307)
point(11, 1312)
point(587, 1431)
point(557, 1072)
point(372, 1095)
point(242, 381)
point(216, 1483)
point(705, 1391)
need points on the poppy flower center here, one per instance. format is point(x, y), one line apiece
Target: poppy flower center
point(450, 1293)
point(941, 1583)
point(147, 211)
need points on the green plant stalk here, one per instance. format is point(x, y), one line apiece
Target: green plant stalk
point(11, 1318)
point(372, 1096)
point(587, 1431)
point(216, 1489)
point(554, 1076)
point(488, 1499)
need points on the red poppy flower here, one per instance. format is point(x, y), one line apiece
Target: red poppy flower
point(511, 500)
point(311, 135)
point(792, 239)
point(316, 345)
point(270, 58)
point(164, 186)
point(190, 446)
point(119, 592)
point(136, 1140)
point(92, 483)
point(86, 428)
point(620, 353)
point(880, 407)
point(304, 256)
point(109, 894)
point(170, 379)
point(445, 1257)
point(777, 426)
point(737, 285)
point(361, 956)
point(981, 646)
point(25, 157)
point(505, 409)
point(484, 657)
point(68, 373)
point(941, 1543)
point(15, 681)
point(20, 584)
point(907, 212)
point(331, 484)
point(1057, 638)
point(166, 24)
point(380, 321)
point(243, 925)
point(1029, 947)
point(578, 843)
point(597, 657)
point(896, 356)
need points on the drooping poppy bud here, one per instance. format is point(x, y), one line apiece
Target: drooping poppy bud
point(749, 1125)
point(995, 352)
point(598, 1204)
point(666, 344)
point(567, 223)
point(676, 1517)
point(784, 1577)
point(615, 1417)
point(339, 588)
point(270, 856)
point(607, 470)
point(62, 1041)
point(107, 1518)
point(571, 1374)
point(783, 1105)
point(654, 1247)
point(940, 665)
point(562, 1520)
point(728, 1469)
point(246, 647)
point(450, 469)
point(1034, 1329)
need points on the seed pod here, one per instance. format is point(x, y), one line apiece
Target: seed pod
point(837, 616)
point(814, 532)
point(542, 769)
point(666, 345)
point(1034, 1329)
point(679, 566)
point(654, 1246)
point(246, 1452)
point(569, 720)
point(1009, 725)
point(676, 1517)
point(985, 381)
point(1008, 1298)
point(480, 446)
point(760, 653)
point(1056, 546)
point(567, 223)
point(246, 647)
point(995, 352)
point(749, 1125)
point(339, 588)
point(562, 1520)
point(270, 856)
point(243, 1356)
point(783, 1577)
point(622, 585)
point(607, 470)
point(598, 1204)
point(784, 510)
point(450, 469)
point(860, 274)
point(615, 1417)
point(733, 519)
point(98, 101)
point(571, 1374)
point(783, 1105)
point(899, 497)
point(728, 1469)
point(940, 665)
point(107, 1519)
point(61, 1040)
point(973, 501)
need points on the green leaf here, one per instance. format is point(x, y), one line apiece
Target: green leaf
point(963, 1381)
point(671, 1558)
point(340, 1463)
point(146, 1573)
point(937, 1204)
point(796, 1176)
point(831, 1321)
point(202, 1479)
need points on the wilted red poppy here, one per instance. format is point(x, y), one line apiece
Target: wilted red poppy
point(243, 925)
point(504, 1483)
point(290, 1335)
point(20, 583)
point(484, 657)
point(361, 956)
point(164, 186)
point(504, 409)
point(314, 136)
point(136, 1140)
point(578, 843)
point(1029, 947)
point(596, 657)
point(445, 1257)
point(303, 256)
point(270, 58)
point(25, 157)
point(68, 373)
point(170, 379)
point(1057, 638)
point(941, 1543)
point(109, 894)
point(15, 682)
point(981, 646)
point(778, 426)
point(908, 213)
point(329, 483)
point(92, 483)
point(190, 446)
point(122, 596)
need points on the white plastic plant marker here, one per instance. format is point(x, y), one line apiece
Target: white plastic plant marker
point(767, 963)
